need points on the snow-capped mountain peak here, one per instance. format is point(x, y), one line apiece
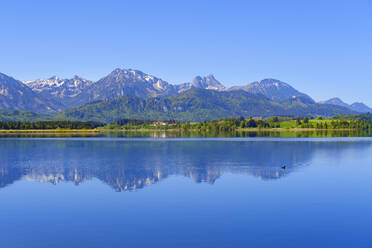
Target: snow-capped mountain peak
point(59, 87)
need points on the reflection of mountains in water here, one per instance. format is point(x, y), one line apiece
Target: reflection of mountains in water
point(133, 164)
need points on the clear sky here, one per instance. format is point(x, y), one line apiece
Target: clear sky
point(323, 48)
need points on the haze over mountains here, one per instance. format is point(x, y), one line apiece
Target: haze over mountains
point(356, 106)
point(131, 93)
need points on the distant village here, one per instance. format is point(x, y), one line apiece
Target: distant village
point(162, 123)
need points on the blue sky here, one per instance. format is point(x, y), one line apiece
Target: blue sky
point(323, 48)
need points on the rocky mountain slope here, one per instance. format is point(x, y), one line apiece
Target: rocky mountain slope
point(209, 82)
point(127, 82)
point(274, 90)
point(78, 91)
point(59, 87)
point(14, 95)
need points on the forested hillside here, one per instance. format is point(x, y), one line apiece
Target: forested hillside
point(196, 105)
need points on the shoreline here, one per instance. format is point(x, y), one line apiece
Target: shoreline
point(170, 130)
point(49, 131)
point(236, 130)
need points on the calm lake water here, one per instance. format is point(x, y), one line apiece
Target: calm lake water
point(185, 192)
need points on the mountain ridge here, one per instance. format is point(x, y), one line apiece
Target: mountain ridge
point(195, 105)
point(274, 89)
point(54, 94)
point(15, 95)
point(356, 106)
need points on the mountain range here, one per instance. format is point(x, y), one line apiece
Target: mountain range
point(196, 105)
point(15, 95)
point(356, 106)
point(127, 93)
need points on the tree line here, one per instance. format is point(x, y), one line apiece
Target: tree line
point(223, 125)
point(49, 125)
point(235, 123)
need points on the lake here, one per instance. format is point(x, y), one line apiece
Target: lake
point(185, 192)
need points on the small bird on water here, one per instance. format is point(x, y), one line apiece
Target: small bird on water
point(284, 167)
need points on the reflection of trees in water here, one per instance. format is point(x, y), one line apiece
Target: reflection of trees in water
point(129, 164)
point(195, 134)
point(238, 134)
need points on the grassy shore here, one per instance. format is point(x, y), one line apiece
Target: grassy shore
point(188, 133)
point(99, 130)
point(256, 129)
point(51, 131)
